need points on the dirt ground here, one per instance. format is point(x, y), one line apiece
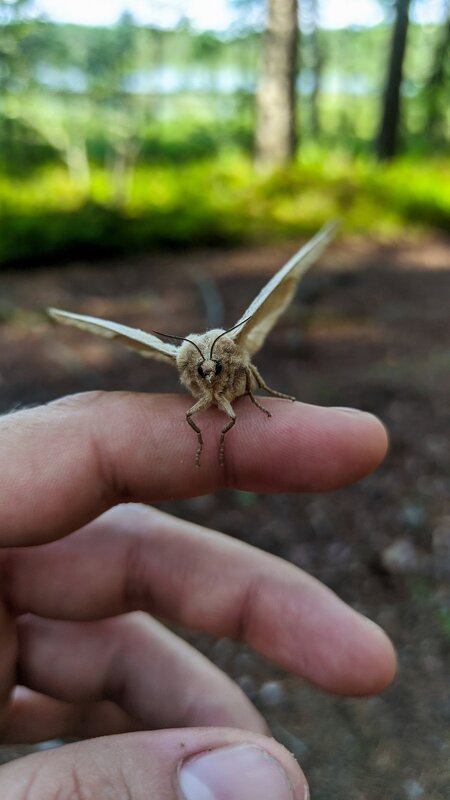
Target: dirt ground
point(369, 328)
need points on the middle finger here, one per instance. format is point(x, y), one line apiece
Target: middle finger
point(137, 558)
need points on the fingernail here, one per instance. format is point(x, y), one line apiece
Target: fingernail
point(242, 772)
point(349, 410)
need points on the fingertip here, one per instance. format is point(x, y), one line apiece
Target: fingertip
point(339, 446)
point(382, 661)
point(372, 662)
point(361, 441)
point(375, 430)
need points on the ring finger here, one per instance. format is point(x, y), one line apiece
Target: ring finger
point(133, 661)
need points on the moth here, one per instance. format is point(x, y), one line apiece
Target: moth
point(216, 366)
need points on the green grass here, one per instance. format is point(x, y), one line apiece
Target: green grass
point(219, 201)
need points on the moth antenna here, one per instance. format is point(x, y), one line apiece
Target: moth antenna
point(181, 339)
point(228, 331)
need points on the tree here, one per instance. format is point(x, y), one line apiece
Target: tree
point(109, 62)
point(436, 89)
point(14, 28)
point(386, 143)
point(275, 139)
point(17, 62)
point(315, 56)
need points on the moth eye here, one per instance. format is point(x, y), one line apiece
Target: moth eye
point(200, 371)
point(218, 367)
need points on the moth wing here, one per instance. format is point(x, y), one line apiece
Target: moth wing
point(262, 314)
point(146, 344)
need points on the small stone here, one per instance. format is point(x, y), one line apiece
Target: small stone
point(244, 661)
point(248, 686)
point(441, 548)
point(401, 557)
point(413, 515)
point(271, 693)
point(286, 737)
point(222, 652)
point(413, 789)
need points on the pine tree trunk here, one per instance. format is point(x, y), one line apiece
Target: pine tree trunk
point(275, 139)
point(78, 164)
point(386, 145)
point(434, 92)
point(316, 66)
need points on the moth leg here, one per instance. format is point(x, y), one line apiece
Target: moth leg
point(225, 406)
point(200, 405)
point(252, 396)
point(263, 385)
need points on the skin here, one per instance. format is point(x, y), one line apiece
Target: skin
point(83, 577)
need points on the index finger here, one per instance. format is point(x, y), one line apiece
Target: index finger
point(66, 463)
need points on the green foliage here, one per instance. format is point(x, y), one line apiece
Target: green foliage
point(123, 138)
point(190, 140)
point(220, 201)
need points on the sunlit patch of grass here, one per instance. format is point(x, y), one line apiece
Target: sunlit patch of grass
point(217, 201)
point(48, 189)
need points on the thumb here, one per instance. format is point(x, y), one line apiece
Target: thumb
point(184, 764)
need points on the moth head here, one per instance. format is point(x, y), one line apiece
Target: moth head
point(209, 369)
point(202, 358)
point(206, 358)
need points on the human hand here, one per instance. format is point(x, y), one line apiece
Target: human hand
point(79, 656)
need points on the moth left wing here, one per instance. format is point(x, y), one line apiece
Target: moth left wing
point(147, 344)
point(262, 314)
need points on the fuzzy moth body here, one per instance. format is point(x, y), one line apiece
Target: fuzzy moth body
point(216, 367)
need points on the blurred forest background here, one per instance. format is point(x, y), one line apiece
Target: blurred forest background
point(130, 136)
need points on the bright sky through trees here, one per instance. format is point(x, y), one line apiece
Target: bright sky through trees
point(219, 14)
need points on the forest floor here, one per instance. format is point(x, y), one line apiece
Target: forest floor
point(370, 328)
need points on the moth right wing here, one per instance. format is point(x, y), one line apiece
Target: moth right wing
point(146, 344)
point(261, 315)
